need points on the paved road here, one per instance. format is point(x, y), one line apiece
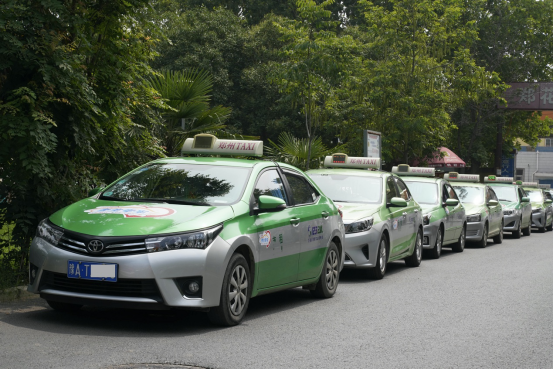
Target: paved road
point(484, 308)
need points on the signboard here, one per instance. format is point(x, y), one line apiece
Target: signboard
point(372, 144)
point(529, 96)
point(507, 169)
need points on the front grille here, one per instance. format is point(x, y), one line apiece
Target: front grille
point(472, 233)
point(510, 225)
point(123, 287)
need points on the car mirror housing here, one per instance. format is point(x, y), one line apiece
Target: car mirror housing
point(95, 191)
point(398, 202)
point(452, 202)
point(268, 204)
point(548, 201)
point(492, 203)
point(524, 199)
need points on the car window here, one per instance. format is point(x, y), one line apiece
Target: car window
point(270, 184)
point(302, 191)
point(404, 192)
point(391, 189)
point(449, 192)
point(424, 192)
point(470, 194)
point(492, 195)
point(535, 195)
point(547, 195)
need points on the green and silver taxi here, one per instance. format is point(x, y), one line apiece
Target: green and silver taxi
point(204, 233)
point(382, 221)
point(542, 206)
point(515, 205)
point(444, 217)
point(484, 215)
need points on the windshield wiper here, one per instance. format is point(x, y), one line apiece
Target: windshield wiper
point(340, 201)
point(504, 200)
point(111, 198)
point(170, 201)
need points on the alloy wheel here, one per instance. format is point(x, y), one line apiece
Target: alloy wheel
point(238, 288)
point(332, 270)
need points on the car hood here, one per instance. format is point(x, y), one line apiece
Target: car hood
point(355, 211)
point(473, 208)
point(125, 218)
point(508, 204)
point(536, 205)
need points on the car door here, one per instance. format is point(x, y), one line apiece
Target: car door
point(454, 216)
point(278, 236)
point(395, 218)
point(409, 223)
point(314, 225)
point(495, 211)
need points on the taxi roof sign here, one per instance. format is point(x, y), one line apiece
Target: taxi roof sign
point(406, 170)
point(530, 184)
point(209, 144)
point(545, 186)
point(340, 160)
point(493, 178)
point(457, 177)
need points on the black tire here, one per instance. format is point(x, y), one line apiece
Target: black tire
point(461, 244)
point(64, 306)
point(228, 313)
point(499, 237)
point(517, 232)
point(542, 229)
point(483, 243)
point(549, 228)
point(414, 260)
point(436, 251)
point(527, 231)
point(329, 279)
point(378, 272)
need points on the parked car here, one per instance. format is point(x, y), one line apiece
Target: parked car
point(542, 206)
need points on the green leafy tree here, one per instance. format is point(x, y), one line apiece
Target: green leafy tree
point(75, 105)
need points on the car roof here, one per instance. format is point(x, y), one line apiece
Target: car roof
point(470, 184)
point(421, 179)
point(501, 184)
point(347, 171)
point(245, 163)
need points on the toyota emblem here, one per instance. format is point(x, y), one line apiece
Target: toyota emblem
point(95, 246)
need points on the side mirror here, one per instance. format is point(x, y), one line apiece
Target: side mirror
point(524, 199)
point(270, 204)
point(492, 203)
point(452, 202)
point(548, 201)
point(398, 202)
point(95, 191)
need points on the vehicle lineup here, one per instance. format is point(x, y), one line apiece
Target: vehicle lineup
point(203, 233)
point(542, 206)
point(382, 220)
point(444, 217)
point(483, 211)
point(515, 205)
point(208, 231)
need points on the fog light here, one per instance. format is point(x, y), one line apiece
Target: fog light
point(425, 240)
point(33, 270)
point(194, 287)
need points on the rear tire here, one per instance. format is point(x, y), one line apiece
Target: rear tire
point(414, 260)
point(461, 244)
point(517, 232)
point(436, 251)
point(483, 243)
point(329, 279)
point(378, 272)
point(64, 306)
point(499, 237)
point(235, 294)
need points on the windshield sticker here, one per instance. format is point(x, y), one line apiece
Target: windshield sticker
point(265, 239)
point(133, 211)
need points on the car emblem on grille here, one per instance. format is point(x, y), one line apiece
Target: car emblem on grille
point(95, 246)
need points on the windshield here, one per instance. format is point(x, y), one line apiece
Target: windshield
point(424, 192)
point(470, 195)
point(345, 188)
point(506, 193)
point(193, 184)
point(535, 195)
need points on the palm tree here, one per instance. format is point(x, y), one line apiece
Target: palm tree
point(296, 151)
point(186, 94)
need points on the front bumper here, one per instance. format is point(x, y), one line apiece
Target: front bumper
point(430, 235)
point(474, 231)
point(511, 222)
point(158, 271)
point(361, 249)
point(539, 219)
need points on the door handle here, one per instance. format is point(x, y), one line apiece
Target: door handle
point(325, 214)
point(416, 211)
point(295, 222)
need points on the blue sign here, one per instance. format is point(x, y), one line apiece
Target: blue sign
point(507, 169)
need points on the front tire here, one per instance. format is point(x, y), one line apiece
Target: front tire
point(527, 231)
point(499, 237)
point(414, 260)
point(235, 294)
point(517, 232)
point(436, 251)
point(461, 244)
point(483, 243)
point(329, 279)
point(378, 272)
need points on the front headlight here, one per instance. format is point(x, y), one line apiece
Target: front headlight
point(192, 240)
point(538, 210)
point(508, 212)
point(426, 218)
point(474, 218)
point(361, 225)
point(48, 233)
